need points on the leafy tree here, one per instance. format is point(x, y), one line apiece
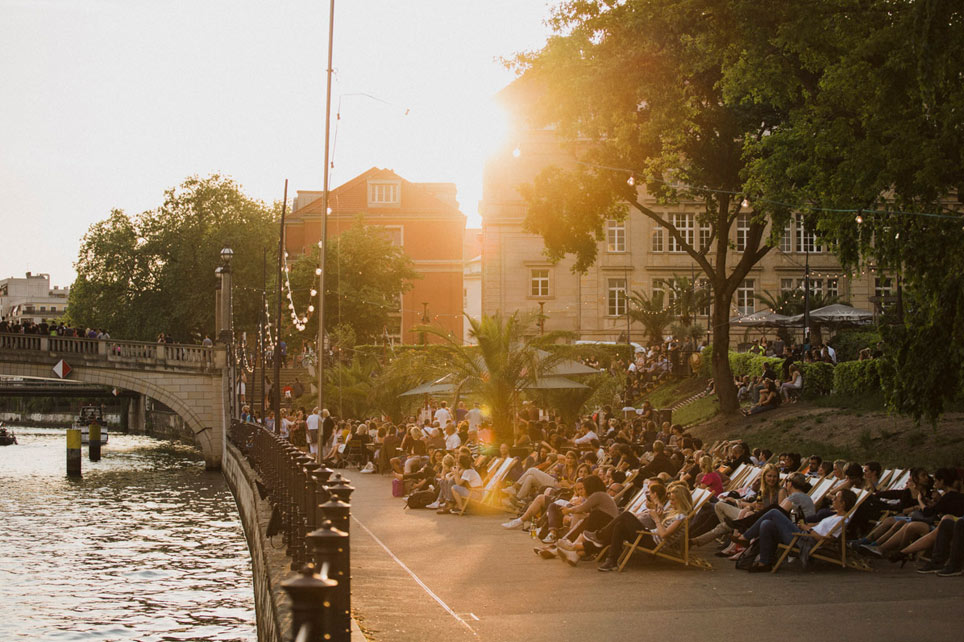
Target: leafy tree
point(872, 135)
point(637, 85)
point(649, 311)
point(366, 274)
point(154, 272)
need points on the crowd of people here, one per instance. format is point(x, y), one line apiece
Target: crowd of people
point(584, 490)
point(52, 329)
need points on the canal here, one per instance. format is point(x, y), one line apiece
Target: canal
point(147, 546)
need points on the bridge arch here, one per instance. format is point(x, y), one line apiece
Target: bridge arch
point(187, 379)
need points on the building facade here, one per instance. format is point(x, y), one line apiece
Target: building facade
point(31, 299)
point(422, 218)
point(471, 279)
point(636, 254)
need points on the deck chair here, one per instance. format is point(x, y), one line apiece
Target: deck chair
point(488, 495)
point(820, 489)
point(885, 477)
point(831, 548)
point(899, 480)
point(676, 548)
point(634, 506)
point(737, 476)
point(491, 468)
point(751, 476)
point(627, 484)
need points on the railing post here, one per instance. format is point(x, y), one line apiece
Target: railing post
point(330, 549)
point(312, 598)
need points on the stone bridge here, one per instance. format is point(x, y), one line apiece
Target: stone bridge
point(189, 379)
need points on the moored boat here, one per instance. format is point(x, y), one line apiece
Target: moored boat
point(89, 415)
point(7, 438)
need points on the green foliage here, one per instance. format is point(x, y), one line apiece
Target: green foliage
point(604, 353)
point(848, 343)
point(141, 275)
point(747, 363)
point(817, 378)
point(856, 378)
point(365, 275)
point(706, 358)
point(650, 311)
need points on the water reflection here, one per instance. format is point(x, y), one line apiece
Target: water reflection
point(147, 546)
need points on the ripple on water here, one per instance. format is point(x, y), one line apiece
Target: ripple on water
point(146, 546)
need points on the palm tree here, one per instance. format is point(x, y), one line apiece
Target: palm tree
point(504, 362)
point(792, 302)
point(687, 300)
point(649, 311)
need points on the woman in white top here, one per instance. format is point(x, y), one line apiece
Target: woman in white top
point(794, 384)
point(467, 480)
point(776, 528)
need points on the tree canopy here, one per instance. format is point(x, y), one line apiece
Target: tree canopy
point(846, 112)
point(138, 276)
point(366, 274)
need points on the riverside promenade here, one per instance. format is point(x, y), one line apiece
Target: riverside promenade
point(418, 576)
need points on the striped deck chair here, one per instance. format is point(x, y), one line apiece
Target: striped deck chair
point(676, 548)
point(488, 495)
point(491, 468)
point(899, 480)
point(830, 548)
point(737, 476)
point(885, 477)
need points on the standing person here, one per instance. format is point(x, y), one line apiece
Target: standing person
point(460, 412)
point(243, 388)
point(313, 423)
point(474, 417)
point(327, 430)
point(442, 415)
point(298, 388)
point(284, 353)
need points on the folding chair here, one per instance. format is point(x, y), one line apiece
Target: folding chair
point(677, 547)
point(820, 489)
point(488, 495)
point(830, 548)
point(737, 476)
point(899, 480)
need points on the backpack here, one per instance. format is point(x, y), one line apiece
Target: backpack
point(748, 556)
point(420, 499)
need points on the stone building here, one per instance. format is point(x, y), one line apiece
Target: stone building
point(31, 299)
point(635, 254)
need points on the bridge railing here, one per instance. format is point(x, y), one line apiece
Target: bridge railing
point(145, 352)
point(310, 509)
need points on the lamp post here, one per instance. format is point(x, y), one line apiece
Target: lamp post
point(425, 321)
point(225, 331)
point(542, 317)
point(806, 289)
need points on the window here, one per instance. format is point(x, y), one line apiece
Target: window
point(786, 241)
point(705, 233)
point(833, 287)
point(816, 285)
point(684, 224)
point(806, 242)
point(383, 193)
point(43, 308)
point(669, 295)
point(657, 244)
point(786, 285)
point(395, 234)
point(704, 285)
point(744, 297)
point(539, 282)
point(742, 231)
point(883, 286)
point(616, 300)
point(615, 235)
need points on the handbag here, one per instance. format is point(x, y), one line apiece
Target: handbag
point(748, 556)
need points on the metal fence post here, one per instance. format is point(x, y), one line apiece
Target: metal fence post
point(311, 604)
point(330, 550)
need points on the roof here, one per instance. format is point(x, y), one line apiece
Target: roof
point(416, 198)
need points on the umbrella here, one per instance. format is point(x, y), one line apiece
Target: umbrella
point(566, 366)
point(763, 318)
point(555, 383)
point(836, 313)
point(442, 385)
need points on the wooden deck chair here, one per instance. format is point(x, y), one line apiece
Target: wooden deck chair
point(831, 548)
point(751, 476)
point(885, 477)
point(627, 484)
point(488, 494)
point(491, 468)
point(677, 548)
point(899, 481)
point(737, 476)
point(821, 488)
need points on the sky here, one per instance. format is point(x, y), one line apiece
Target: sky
point(106, 103)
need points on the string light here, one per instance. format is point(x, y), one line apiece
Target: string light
point(859, 219)
point(516, 153)
point(632, 181)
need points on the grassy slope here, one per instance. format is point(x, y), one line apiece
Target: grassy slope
point(852, 429)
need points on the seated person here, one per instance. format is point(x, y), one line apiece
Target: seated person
point(794, 385)
point(467, 479)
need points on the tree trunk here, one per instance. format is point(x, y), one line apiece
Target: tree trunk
point(722, 375)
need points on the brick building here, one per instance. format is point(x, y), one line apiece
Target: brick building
point(422, 218)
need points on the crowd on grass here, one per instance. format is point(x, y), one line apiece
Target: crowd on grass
point(585, 490)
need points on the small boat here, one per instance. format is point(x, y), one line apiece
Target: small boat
point(87, 416)
point(7, 438)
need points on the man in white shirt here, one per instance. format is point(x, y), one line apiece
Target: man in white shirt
point(474, 417)
point(314, 425)
point(452, 439)
point(442, 415)
point(586, 435)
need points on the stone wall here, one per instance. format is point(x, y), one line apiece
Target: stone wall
point(269, 564)
point(163, 424)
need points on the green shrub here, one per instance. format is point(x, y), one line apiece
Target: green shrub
point(849, 343)
point(746, 363)
point(706, 358)
point(817, 378)
point(856, 377)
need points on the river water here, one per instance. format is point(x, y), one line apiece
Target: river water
point(147, 546)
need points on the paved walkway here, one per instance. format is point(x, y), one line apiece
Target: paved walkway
point(420, 576)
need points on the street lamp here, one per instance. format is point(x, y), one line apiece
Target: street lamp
point(226, 325)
